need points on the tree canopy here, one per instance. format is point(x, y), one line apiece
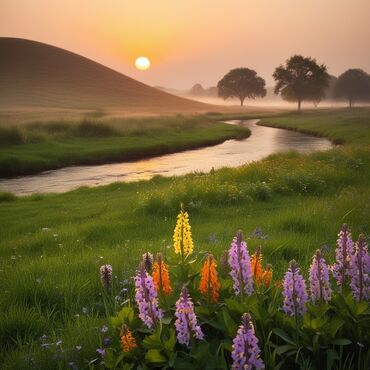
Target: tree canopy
point(301, 79)
point(353, 85)
point(241, 83)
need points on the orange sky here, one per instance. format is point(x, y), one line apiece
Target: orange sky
point(191, 41)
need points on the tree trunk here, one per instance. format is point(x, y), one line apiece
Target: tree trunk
point(299, 104)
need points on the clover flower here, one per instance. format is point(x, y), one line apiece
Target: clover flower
point(360, 270)
point(146, 298)
point(209, 284)
point(319, 279)
point(182, 239)
point(239, 262)
point(294, 291)
point(161, 276)
point(186, 322)
point(106, 276)
point(148, 261)
point(343, 253)
point(245, 350)
point(128, 342)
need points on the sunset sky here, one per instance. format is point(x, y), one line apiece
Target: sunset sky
point(189, 41)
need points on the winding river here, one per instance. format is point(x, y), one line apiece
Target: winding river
point(232, 153)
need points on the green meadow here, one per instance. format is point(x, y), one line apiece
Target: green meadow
point(52, 246)
point(37, 146)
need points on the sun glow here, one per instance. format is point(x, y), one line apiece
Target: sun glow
point(142, 63)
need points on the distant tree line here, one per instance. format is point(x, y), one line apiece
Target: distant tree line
point(299, 79)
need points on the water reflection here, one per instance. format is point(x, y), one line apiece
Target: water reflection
point(232, 153)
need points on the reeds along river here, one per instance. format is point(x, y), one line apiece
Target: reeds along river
point(232, 153)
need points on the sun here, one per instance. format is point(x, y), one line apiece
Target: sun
point(142, 63)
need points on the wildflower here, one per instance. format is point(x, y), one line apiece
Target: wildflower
point(186, 323)
point(106, 342)
point(148, 261)
point(224, 264)
point(85, 310)
point(245, 351)
point(182, 239)
point(146, 298)
point(319, 279)
point(78, 348)
point(101, 352)
point(267, 275)
point(106, 276)
point(294, 291)
point(209, 284)
point(239, 262)
point(256, 265)
point(161, 276)
point(343, 253)
point(128, 342)
point(360, 270)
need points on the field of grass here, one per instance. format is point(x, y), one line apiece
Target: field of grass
point(38, 146)
point(52, 246)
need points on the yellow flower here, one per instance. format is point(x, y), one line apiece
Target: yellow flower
point(182, 239)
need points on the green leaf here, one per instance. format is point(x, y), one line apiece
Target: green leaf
point(341, 342)
point(331, 356)
point(283, 335)
point(155, 356)
point(153, 341)
point(285, 348)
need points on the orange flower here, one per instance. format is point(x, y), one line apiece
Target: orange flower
point(127, 340)
point(209, 284)
point(161, 276)
point(256, 265)
point(267, 276)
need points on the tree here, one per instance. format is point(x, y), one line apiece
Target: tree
point(241, 83)
point(301, 79)
point(353, 85)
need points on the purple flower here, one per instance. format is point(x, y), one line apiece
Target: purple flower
point(319, 279)
point(106, 342)
point(148, 261)
point(343, 253)
point(146, 298)
point(106, 277)
point(360, 270)
point(246, 352)
point(186, 323)
point(294, 291)
point(240, 265)
point(101, 352)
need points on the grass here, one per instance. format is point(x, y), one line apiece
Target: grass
point(52, 245)
point(39, 146)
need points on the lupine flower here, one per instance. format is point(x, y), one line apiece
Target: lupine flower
point(161, 276)
point(209, 284)
point(101, 352)
point(106, 276)
point(294, 291)
point(319, 279)
point(256, 265)
point(360, 270)
point(267, 275)
point(245, 351)
point(148, 261)
point(128, 342)
point(186, 322)
point(146, 298)
point(182, 239)
point(239, 262)
point(343, 253)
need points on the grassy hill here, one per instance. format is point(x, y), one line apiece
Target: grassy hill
point(37, 74)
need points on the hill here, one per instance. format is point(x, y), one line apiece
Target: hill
point(36, 74)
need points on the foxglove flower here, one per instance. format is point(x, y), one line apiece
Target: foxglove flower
point(245, 351)
point(343, 253)
point(360, 270)
point(319, 279)
point(106, 276)
point(294, 291)
point(146, 298)
point(148, 261)
point(240, 265)
point(186, 322)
